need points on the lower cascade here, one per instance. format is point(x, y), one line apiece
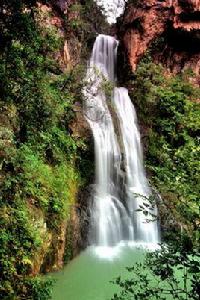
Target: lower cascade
point(121, 184)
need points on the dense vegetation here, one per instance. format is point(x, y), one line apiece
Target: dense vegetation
point(168, 108)
point(40, 164)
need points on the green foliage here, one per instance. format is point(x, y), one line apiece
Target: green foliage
point(18, 242)
point(173, 272)
point(168, 107)
point(51, 187)
point(86, 21)
point(39, 288)
point(40, 161)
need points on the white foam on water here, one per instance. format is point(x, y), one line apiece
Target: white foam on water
point(115, 252)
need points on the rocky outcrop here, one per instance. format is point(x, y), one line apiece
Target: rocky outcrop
point(176, 22)
point(57, 17)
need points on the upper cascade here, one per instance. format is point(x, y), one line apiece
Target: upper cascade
point(104, 55)
point(121, 183)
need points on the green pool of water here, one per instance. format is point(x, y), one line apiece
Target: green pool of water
point(88, 276)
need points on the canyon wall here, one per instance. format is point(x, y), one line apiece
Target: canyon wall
point(172, 27)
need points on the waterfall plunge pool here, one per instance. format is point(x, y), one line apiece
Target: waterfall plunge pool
point(88, 276)
point(113, 210)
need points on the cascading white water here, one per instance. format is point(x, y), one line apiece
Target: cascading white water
point(120, 176)
point(137, 188)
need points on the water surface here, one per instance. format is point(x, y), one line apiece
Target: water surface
point(88, 276)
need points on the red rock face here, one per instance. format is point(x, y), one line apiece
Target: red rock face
point(180, 19)
point(187, 14)
point(143, 25)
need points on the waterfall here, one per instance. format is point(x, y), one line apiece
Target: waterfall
point(121, 185)
point(137, 188)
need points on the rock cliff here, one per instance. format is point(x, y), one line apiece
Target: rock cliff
point(171, 27)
